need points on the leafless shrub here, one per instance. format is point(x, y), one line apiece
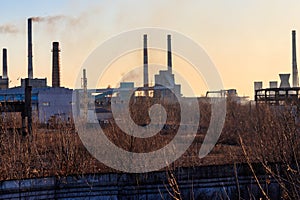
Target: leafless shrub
point(252, 134)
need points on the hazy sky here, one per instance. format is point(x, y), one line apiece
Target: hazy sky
point(247, 40)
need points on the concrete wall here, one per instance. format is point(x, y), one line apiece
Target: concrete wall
point(216, 182)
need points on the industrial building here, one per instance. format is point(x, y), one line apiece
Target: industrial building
point(46, 101)
point(56, 101)
point(165, 89)
point(285, 93)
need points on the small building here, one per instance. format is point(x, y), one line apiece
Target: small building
point(46, 102)
point(35, 83)
point(165, 86)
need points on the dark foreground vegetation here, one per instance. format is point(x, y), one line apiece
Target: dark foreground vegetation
point(252, 134)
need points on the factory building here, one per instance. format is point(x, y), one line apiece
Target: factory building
point(166, 79)
point(285, 93)
point(47, 102)
point(164, 89)
point(35, 82)
point(164, 86)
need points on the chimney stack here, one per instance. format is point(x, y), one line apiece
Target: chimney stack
point(30, 71)
point(84, 79)
point(169, 54)
point(146, 82)
point(55, 65)
point(295, 70)
point(4, 70)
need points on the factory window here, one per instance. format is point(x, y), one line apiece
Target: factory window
point(46, 103)
point(139, 93)
point(151, 93)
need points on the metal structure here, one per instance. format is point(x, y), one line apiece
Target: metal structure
point(222, 93)
point(27, 112)
point(24, 107)
point(55, 65)
point(278, 96)
point(285, 94)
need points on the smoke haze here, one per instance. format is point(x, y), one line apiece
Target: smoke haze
point(8, 28)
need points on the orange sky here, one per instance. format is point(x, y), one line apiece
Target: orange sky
point(246, 40)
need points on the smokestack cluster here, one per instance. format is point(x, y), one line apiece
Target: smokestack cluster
point(30, 70)
point(146, 82)
point(4, 64)
point(295, 69)
point(55, 65)
point(169, 58)
point(169, 54)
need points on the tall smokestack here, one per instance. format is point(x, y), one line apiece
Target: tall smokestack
point(4, 70)
point(30, 71)
point(295, 70)
point(55, 65)
point(146, 82)
point(169, 54)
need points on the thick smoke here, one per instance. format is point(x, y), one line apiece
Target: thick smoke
point(8, 28)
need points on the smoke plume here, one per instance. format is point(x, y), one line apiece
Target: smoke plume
point(49, 19)
point(52, 20)
point(8, 28)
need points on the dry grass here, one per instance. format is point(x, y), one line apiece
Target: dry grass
point(47, 152)
point(251, 134)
